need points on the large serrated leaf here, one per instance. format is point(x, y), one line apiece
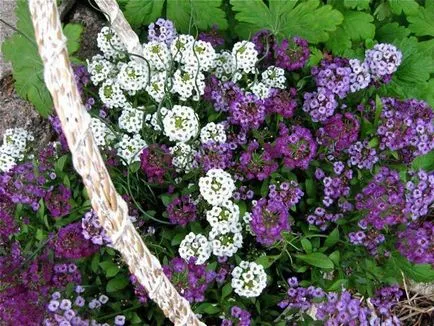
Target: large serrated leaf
point(422, 21)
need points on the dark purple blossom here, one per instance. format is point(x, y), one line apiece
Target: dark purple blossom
point(240, 317)
point(369, 238)
point(139, 290)
point(156, 162)
point(322, 219)
point(264, 43)
point(417, 242)
point(182, 211)
point(215, 156)
point(362, 155)
point(92, 229)
point(63, 274)
point(248, 112)
point(339, 132)
point(291, 54)
point(71, 244)
point(288, 193)
point(212, 36)
point(282, 102)
point(57, 201)
point(255, 163)
point(269, 219)
point(333, 76)
point(221, 95)
point(300, 298)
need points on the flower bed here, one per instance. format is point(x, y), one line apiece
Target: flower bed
point(275, 185)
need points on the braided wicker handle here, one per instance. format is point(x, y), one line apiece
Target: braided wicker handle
point(107, 203)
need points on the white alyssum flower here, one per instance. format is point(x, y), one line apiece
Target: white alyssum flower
point(195, 245)
point(213, 132)
point(183, 157)
point(249, 279)
point(155, 120)
point(101, 133)
point(245, 56)
point(100, 69)
point(274, 77)
point(224, 215)
point(111, 94)
point(224, 65)
point(15, 142)
point(181, 124)
point(110, 44)
point(180, 47)
point(260, 90)
point(7, 162)
point(225, 243)
point(188, 82)
point(133, 76)
point(157, 87)
point(157, 54)
point(131, 119)
point(200, 55)
point(216, 187)
point(129, 148)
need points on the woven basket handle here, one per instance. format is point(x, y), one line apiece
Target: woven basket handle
point(107, 203)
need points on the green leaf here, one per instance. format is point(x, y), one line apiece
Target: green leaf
point(417, 272)
point(317, 259)
point(357, 4)
point(335, 256)
point(390, 32)
point(73, 36)
point(357, 26)
point(338, 285)
point(226, 290)
point(307, 19)
point(208, 308)
point(332, 238)
point(307, 245)
point(408, 7)
point(310, 188)
point(424, 162)
point(118, 283)
point(421, 23)
point(110, 268)
point(143, 12)
point(266, 261)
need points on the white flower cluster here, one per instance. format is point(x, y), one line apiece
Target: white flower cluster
point(129, 148)
point(131, 119)
point(245, 56)
point(157, 54)
point(101, 133)
point(216, 187)
point(111, 94)
point(260, 90)
point(224, 66)
point(183, 157)
point(213, 132)
point(195, 245)
point(189, 82)
point(155, 120)
point(110, 44)
point(274, 77)
point(200, 55)
point(249, 279)
point(157, 86)
point(15, 141)
point(226, 242)
point(100, 69)
point(224, 215)
point(181, 124)
point(133, 76)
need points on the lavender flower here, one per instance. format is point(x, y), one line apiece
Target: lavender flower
point(359, 76)
point(181, 211)
point(162, 31)
point(269, 219)
point(322, 219)
point(139, 290)
point(300, 298)
point(320, 105)
point(362, 156)
point(383, 60)
point(288, 193)
point(369, 238)
point(419, 195)
point(417, 242)
point(215, 156)
point(63, 274)
point(92, 229)
point(333, 76)
point(248, 112)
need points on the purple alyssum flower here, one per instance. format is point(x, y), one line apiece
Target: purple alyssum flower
point(333, 75)
point(92, 229)
point(322, 219)
point(416, 243)
point(362, 155)
point(320, 105)
point(182, 210)
point(281, 102)
point(419, 194)
point(248, 111)
point(156, 162)
point(288, 193)
point(162, 30)
point(339, 132)
point(291, 54)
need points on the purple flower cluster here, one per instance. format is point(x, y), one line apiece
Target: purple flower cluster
point(242, 317)
point(190, 280)
point(339, 132)
point(322, 219)
point(282, 102)
point(57, 126)
point(291, 54)
point(212, 36)
point(406, 126)
point(384, 301)
point(288, 193)
point(342, 309)
point(296, 146)
point(419, 194)
point(70, 243)
point(336, 186)
point(7, 225)
point(243, 193)
point(82, 77)
point(333, 76)
point(221, 95)
point(162, 31)
point(382, 200)
point(300, 298)
point(92, 229)
point(139, 290)
point(57, 201)
point(362, 156)
point(156, 162)
point(181, 211)
point(383, 60)
point(370, 238)
point(417, 242)
point(264, 42)
point(215, 156)
point(63, 274)
point(320, 105)
point(269, 219)
point(255, 163)
point(248, 111)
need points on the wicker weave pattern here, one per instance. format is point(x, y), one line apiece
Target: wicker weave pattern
point(110, 207)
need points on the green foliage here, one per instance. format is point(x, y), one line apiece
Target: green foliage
point(306, 19)
point(357, 4)
point(185, 14)
point(27, 66)
point(317, 259)
point(422, 20)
